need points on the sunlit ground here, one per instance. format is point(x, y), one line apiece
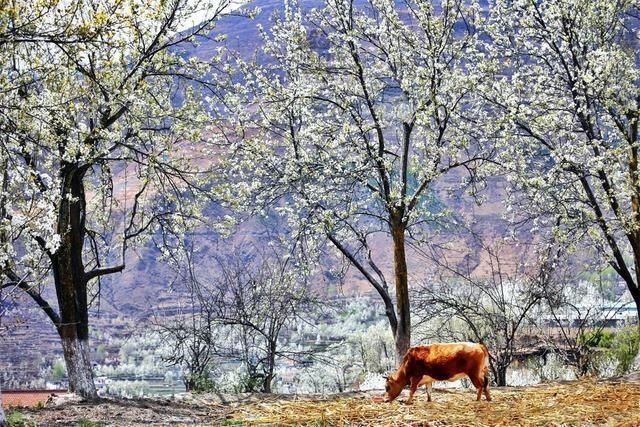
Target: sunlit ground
point(577, 403)
point(587, 402)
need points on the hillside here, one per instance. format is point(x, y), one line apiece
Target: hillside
point(147, 286)
point(146, 283)
point(572, 403)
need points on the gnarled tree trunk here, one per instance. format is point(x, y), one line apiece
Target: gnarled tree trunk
point(271, 365)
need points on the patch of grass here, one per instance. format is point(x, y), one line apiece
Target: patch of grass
point(84, 422)
point(16, 419)
point(227, 423)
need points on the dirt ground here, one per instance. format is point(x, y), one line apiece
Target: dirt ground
point(582, 403)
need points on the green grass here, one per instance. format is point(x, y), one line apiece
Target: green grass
point(227, 423)
point(16, 419)
point(84, 422)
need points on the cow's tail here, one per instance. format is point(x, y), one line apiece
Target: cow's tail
point(485, 350)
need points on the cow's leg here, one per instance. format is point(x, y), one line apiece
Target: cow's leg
point(478, 383)
point(486, 384)
point(429, 387)
point(412, 388)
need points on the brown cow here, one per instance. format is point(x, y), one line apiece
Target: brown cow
point(440, 362)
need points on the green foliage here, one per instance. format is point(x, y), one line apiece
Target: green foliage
point(16, 419)
point(84, 422)
point(622, 345)
point(200, 383)
point(248, 383)
point(625, 346)
point(596, 338)
point(58, 370)
point(101, 353)
point(232, 423)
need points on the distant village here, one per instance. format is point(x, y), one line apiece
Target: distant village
point(127, 356)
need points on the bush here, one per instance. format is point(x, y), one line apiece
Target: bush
point(200, 383)
point(598, 338)
point(58, 370)
point(16, 419)
point(624, 347)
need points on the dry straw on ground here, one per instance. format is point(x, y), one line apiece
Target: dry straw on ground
point(587, 402)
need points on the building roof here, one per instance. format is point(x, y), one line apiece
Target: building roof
point(27, 397)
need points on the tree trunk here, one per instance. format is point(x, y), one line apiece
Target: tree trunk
point(271, 361)
point(3, 420)
point(266, 382)
point(501, 376)
point(403, 331)
point(71, 284)
point(79, 370)
point(74, 334)
point(635, 293)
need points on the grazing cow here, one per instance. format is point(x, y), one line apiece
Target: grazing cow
point(440, 362)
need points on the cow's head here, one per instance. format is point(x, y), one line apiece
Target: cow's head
point(392, 388)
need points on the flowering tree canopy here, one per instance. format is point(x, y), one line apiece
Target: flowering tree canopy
point(568, 107)
point(93, 110)
point(360, 109)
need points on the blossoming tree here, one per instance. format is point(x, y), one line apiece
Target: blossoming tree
point(92, 114)
point(359, 109)
point(568, 106)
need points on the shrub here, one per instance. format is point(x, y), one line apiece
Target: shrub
point(625, 346)
point(58, 370)
point(200, 383)
point(622, 345)
point(597, 338)
point(16, 419)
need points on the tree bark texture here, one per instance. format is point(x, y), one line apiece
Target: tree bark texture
point(79, 370)
point(3, 420)
point(271, 364)
point(402, 333)
point(71, 284)
point(501, 377)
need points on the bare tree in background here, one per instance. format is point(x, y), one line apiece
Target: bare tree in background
point(493, 308)
point(240, 315)
point(575, 323)
point(192, 337)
